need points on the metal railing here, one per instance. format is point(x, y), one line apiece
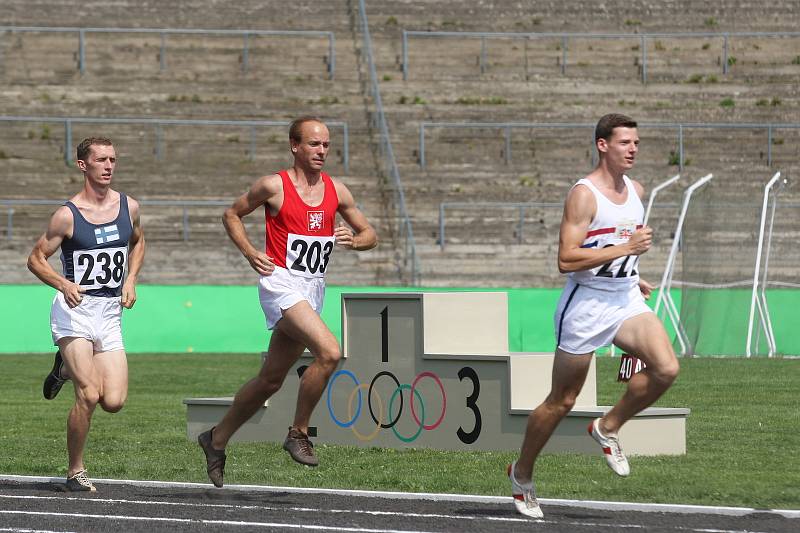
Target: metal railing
point(522, 207)
point(185, 205)
point(679, 127)
point(566, 37)
point(164, 32)
point(160, 122)
point(405, 232)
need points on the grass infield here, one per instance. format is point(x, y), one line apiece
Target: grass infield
point(742, 438)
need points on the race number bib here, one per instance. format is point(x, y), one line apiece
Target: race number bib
point(97, 269)
point(628, 366)
point(308, 256)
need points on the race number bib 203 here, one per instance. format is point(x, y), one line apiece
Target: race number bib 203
point(97, 269)
point(308, 256)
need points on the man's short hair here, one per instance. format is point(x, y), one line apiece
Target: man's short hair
point(294, 128)
point(606, 124)
point(86, 146)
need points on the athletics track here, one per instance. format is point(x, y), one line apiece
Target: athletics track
point(29, 504)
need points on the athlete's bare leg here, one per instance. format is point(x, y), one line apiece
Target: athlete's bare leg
point(283, 352)
point(303, 324)
point(569, 374)
point(93, 376)
point(643, 336)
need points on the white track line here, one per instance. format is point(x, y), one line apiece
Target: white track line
point(25, 530)
point(585, 504)
point(595, 525)
point(211, 522)
point(265, 508)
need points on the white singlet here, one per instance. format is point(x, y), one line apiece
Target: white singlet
point(596, 302)
point(612, 224)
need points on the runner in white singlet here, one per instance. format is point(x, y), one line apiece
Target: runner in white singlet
point(603, 302)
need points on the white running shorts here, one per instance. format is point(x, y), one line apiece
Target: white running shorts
point(588, 318)
point(281, 290)
point(96, 319)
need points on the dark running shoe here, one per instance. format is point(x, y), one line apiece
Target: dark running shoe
point(300, 448)
point(54, 380)
point(215, 459)
point(80, 483)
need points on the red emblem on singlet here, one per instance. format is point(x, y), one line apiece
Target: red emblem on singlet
point(315, 220)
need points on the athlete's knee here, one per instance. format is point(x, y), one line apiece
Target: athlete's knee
point(112, 405)
point(561, 404)
point(330, 355)
point(667, 372)
point(269, 384)
point(87, 396)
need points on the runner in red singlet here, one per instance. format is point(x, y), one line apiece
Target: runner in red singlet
point(301, 205)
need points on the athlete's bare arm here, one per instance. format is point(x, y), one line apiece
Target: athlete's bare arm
point(135, 255)
point(266, 190)
point(59, 228)
point(362, 236)
point(579, 209)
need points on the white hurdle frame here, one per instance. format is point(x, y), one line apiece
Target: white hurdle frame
point(653, 194)
point(666, 279)
point(759, 299)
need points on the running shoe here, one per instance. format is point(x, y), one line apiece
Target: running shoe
point(80, 483)
point(300, 448)
point(215, 459)
point(524, 496)
point(54, 380)
point(611, 448)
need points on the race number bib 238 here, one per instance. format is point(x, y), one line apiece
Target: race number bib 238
point(308, 256)
point(96, 269)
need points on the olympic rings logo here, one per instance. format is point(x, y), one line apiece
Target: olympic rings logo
point(355, 405)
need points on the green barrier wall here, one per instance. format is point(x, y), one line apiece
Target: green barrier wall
point(198, 318)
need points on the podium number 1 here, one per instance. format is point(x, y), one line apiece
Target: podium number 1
point(385, 335)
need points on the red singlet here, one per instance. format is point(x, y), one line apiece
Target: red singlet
point(300, 237)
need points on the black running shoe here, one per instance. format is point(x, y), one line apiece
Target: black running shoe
point(215, 459)
point(300, 448)
point(54, 380)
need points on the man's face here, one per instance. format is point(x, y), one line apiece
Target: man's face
point(312, 151)
point(620, 150)
point(99, 164)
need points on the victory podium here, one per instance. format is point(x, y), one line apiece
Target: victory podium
point(433, 370)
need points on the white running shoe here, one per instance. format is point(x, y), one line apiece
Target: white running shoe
point(613, 451)
point(524, 496)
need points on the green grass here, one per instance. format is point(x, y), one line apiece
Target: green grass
point(742, 438)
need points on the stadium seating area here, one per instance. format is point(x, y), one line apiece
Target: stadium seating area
point(522, 81)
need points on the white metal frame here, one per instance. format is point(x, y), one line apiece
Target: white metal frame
point(666, 279)
point(653, 194)
point(759, 298)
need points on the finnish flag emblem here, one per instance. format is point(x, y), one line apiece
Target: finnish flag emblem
point(106, 234)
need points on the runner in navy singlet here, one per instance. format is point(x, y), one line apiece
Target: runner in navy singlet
point(102, 249)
